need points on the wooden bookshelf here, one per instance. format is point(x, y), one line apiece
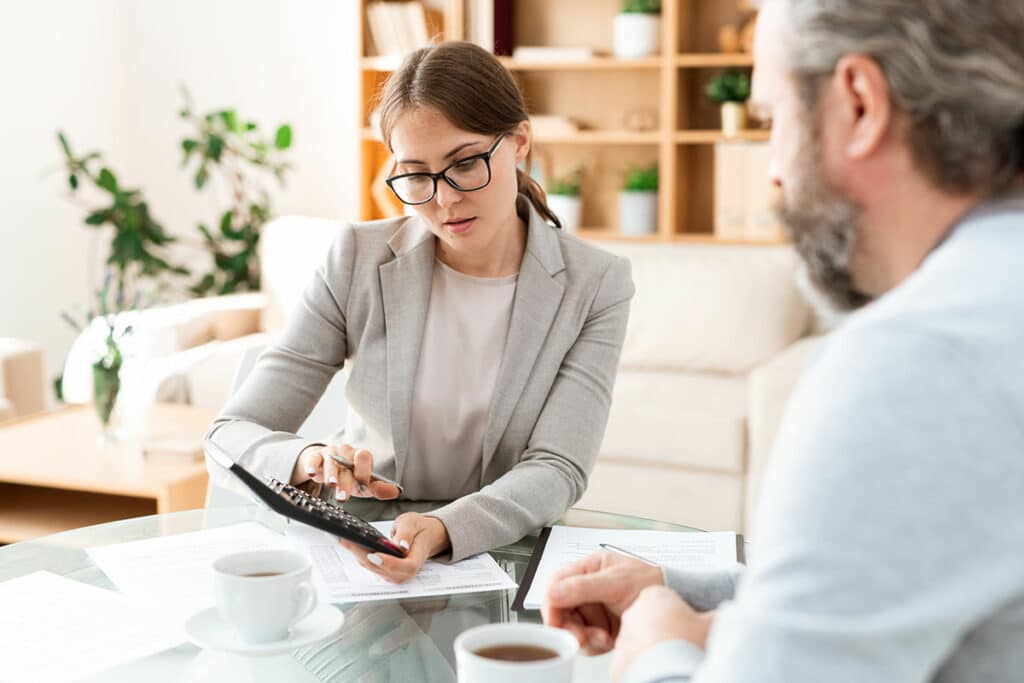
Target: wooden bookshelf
point(605, 95)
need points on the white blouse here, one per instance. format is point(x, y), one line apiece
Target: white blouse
point(463, 344)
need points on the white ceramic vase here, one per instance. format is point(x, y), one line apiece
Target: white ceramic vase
point(636, 35)
point(638, 212)
point(568, 208)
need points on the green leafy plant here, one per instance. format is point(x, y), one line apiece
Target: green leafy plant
point(641, 7)
point(223, 144)
point(567, 184)
point(641, 179)
point(138, 248)
point(729, 86)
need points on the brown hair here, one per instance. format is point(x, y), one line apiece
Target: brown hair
point(471, 88)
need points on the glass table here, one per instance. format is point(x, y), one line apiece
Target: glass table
point(397, 641)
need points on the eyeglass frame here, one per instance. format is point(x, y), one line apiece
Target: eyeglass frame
point(486, 156)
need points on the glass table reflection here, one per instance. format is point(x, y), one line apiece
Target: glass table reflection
point(395, 641)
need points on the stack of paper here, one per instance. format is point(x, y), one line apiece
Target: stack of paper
point(680, 550)
point(56, 629)
point(174, 574)
point(340, 579)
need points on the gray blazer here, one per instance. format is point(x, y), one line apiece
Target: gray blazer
point(367, 304)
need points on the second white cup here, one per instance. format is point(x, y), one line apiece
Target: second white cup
point(263, 593)
point(474, 667)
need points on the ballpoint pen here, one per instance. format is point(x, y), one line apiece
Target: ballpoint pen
point(623, 551)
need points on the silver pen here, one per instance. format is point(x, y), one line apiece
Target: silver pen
point(623, 551)
point(342, 460)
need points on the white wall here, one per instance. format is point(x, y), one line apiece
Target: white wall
point(58, 66)
point(107, 71)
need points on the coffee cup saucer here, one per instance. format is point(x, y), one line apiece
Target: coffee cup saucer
point(208, 630)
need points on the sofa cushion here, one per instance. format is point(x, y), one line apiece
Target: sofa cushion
point(711, 307)
point(679, 419)
point(705, 500)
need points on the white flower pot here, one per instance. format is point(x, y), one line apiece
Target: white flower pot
point(568, 208)
point(636, 35)
point(638, 212)
point(734, 118)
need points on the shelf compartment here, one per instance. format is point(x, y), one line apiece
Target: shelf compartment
point(28, 512)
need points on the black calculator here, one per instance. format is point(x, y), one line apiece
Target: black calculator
point(296, 504)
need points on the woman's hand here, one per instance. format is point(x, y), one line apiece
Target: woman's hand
point(422, 537)
point(316, 463)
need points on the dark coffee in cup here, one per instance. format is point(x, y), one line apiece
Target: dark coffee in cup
point(254, 574)
point(516, 653)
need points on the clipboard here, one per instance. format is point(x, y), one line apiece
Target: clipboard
point(538, 551)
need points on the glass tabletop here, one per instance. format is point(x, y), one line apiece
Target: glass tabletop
point(396, 641)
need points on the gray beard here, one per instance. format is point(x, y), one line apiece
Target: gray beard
point(822, 224)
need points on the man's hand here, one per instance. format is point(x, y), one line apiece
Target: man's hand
point(421, 536)
point(588, 597)
point(657, 615)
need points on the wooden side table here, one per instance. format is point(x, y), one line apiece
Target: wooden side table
point(55, 475)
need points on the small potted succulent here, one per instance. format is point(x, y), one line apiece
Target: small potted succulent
point(638, 201)
point(637, 29)
point(731, 90)
point(564, 198)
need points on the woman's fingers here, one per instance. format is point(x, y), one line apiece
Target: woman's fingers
point(308, 466)
point(363, 469)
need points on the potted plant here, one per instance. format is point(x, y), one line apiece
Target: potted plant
point(637, 29)
point(731, 90)
point(106, 329)
point(564, 199)
point(638, 201)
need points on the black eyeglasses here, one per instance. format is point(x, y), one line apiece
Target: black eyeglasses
point(465, 175)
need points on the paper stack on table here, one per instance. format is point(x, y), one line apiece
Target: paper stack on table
point(678, 549)
point(175, 573)
point(340, 579)
point(56, 629)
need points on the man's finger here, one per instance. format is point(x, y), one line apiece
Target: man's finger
point(581, 589)
point(588, 565)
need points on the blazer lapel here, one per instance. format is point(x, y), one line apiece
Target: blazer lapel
point(538, 297)
point(405, 287)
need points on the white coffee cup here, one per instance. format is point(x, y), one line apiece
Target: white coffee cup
point(472, 668)
point(263, 593)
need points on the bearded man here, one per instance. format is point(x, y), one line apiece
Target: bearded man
point(891, 525)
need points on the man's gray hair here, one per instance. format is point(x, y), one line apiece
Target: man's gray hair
point(955, 67)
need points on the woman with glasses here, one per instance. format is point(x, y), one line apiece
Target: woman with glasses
point(481, 340)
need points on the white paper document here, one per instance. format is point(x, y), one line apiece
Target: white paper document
point(175, 573)
point(678, 549)
point(339, 578)
point(56, 629)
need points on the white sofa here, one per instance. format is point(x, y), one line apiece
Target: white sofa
point(715, 342)
point(22, 382)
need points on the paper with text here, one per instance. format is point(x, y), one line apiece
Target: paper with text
point(56, 629)
point(339, 578)
point(677, 549)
